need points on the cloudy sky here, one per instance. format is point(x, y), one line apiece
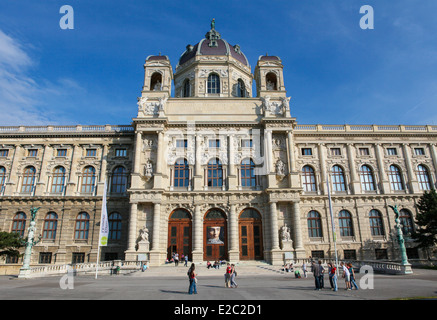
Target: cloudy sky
point(335, 72)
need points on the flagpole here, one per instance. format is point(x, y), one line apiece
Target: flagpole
point(332, 223)
point(103, 227)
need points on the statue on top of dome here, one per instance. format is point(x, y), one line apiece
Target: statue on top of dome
point(213, 24)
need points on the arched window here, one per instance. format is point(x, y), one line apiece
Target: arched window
point(395, 177)
point(187, 89)
point(156, 82)
point(114, 220)
point(314, 224)
point(88, 179)
point(213, 83)
point(250, 213)
point(215, 173)
point(366, 177)
point(423, 177)
point(345, 223)
point(50, 226)
point(338, 181)
point(241, 88)
point(2, 179)
point(181, 173)
point(29, 175)
point(308, 179)
point(406, 221)
point(271, 81)
point(82, 226)
point(376, 226)
point(58, 180)
point(119, 180)
point(19, 224)
point(248, 173)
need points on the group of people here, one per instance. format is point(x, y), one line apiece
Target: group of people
point(347, 270)
point(175, 259)
point(216, 264)
point(230, 276)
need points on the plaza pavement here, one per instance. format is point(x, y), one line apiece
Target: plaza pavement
point(255, 283)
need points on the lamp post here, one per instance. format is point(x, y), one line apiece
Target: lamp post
point(25, 269)
point(405, 264)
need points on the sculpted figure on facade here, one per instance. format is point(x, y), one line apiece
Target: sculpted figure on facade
point(148, 169)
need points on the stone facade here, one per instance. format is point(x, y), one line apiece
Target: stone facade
point(211, 157)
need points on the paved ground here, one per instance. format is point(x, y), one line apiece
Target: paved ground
point(261, 282)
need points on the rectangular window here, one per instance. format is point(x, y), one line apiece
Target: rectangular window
point(381, 254)
point(91, 152)
point(246, 143)
point(318, 254)
point(392, 151)
point(61, 153)
point(350, 254)
point(120, 152)
point(335, 152)
point(182, 143)
point(78, 257)
point(307, 151)
point(214, 143)
point(419, 151)
point(364, 151)
point(45, 257)
point(32, 152)
point(4, 152)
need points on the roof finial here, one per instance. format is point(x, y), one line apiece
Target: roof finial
point(213, 24)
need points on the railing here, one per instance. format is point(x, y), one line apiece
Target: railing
point(366, 128)
point(105, 267)
point(59, 129)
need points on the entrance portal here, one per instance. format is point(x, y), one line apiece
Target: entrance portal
point(251, 242)
point(179, 234)
point(215, 239)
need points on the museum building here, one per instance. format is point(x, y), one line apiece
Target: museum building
point(215, 172)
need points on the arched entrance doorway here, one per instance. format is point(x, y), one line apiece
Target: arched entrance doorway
point(179, 233)
point(215, 236)
point(251, 242)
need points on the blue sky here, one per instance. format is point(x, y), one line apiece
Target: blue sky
point(334, 71)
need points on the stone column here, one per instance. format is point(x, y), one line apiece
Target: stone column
point(71, 187)
point(355, 181)
point(130, 253)
point(41, 185)
point(197, 235)
point(160, 152)
point(274, 226)
point(138, 144)
point(11, 184)
point(293, 177)
point(385, 185)
point(412, 179)
point(322, 159)
point(269, 151)
point(156, 256)
point(297, 231)
point(234, 254)
point(198, 182)
point(102, 179)
point(277, 256)
point(433, 150)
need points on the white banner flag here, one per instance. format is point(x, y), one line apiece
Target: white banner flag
point(104, 224)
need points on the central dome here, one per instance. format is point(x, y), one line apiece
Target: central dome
point(213, 45)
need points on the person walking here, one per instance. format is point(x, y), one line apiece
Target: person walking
point(316, 274)
point(186, 261)
point(304, 269)
point(333, 277)
point(228, 276)
point(193, 280)
point(176, 259)
point(346, 276)
point(233, 275)
point(321, 275)
point(352, 276)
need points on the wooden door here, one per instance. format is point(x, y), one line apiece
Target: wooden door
point(179, 234)
point(215, 236)
point(251, 242)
